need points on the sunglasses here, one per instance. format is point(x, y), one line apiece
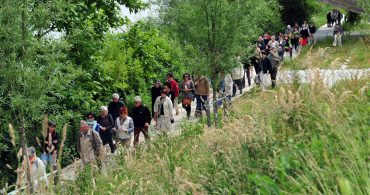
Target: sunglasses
point(90, 117)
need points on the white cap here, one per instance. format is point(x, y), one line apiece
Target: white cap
point(104, 108)
point(137, 99)
point(115, 96)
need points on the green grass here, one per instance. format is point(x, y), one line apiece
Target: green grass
point(295, 140)
point(354, 53)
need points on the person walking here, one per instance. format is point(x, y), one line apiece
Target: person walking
point(228, 82)
point(142, 118)
point(288, 45)
point(115, 106)
point(175, 91)
point(163, 113)
point(89, 144)
point(156, 92)
point(187, 88)
point(281, 48)
point(124, 128)
point(106, 124)
point(39, 179)
point(202, 90)
point(295, 39)
point(238, 74)
point(312, 31)
point(275, 62)
point(337, 35)
point(304, 34)
point(94, 125)
point(260, 44)
point(50, 149)
point(288, 30)
point(266, 66)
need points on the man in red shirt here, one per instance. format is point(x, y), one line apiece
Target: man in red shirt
point(175, 91)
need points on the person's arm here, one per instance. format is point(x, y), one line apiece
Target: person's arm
point(97, 140)
point(148, 116)
point(111, 122)
point(116, 124)
point(156, 109)
point(170, 107)
point(130, 126)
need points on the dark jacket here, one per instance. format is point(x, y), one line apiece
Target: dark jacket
point(54, 136)
point(141, 115)
point(113, 109)
point(312, 29)
point(266, 65)
point(155, 92)
point(108, 123)
point(304, 33)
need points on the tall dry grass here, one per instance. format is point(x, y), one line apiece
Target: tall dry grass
point(296, 140)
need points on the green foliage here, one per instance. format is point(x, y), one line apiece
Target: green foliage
point(206, 26)
point(133, 61)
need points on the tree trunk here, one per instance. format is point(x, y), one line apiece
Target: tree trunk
point(22, 133)
point(215, 105)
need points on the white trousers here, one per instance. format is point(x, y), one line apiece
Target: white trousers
point(164, 124)
point(337, 39)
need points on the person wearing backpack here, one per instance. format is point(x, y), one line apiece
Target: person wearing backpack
point(88, 144)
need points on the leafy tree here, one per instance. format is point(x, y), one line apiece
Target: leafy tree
point(217, 30)
point(136, 59)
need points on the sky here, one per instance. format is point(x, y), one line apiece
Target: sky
point(141, 15)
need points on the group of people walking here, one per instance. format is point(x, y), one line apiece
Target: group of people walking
point(115, 125)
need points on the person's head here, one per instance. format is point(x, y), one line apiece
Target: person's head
point(123, 112)
point(90, 116)
point(273, 38)
point(138, 102)
point(260, 39)
point(115, 97)
point(167, 87)
point(264, 53)
point(289, 27)
point(265, 36)
point(286, 36)
point(84, 127)
point(158, 84)
point(281, 37)
point(103, 111)
point(170, 76)
point(311, 24)
point(186, 76)
point(163, 93)
point(31, 153)
point(51, 126)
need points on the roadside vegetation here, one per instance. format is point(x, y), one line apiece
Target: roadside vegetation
point(296, 140)
point(353, 54)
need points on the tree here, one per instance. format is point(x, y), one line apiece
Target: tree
point(136, 59)
point(217, 30)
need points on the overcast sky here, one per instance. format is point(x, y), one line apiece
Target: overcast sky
point(141, 15)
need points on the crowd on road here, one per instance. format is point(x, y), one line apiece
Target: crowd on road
point(115, 125)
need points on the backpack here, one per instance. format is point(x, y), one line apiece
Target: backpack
point(93, 143)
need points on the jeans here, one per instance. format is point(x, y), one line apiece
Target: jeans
point(200, 103)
